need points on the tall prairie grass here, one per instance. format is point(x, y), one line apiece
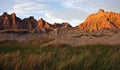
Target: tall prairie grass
point(64, 57)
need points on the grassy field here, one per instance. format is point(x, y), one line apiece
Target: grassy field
point(19, 56)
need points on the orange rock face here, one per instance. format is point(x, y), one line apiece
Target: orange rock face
point(43, 24)
point(100, 20)
point(13, 17)
point(6, 22)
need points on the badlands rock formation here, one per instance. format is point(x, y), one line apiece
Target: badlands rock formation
point(10, 22)
point(100, 20)
point(99, 28)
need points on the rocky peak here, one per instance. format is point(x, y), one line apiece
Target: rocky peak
point(102, 19)
point(65, 24)
point(13, 18)
point(13, 14)
point(5, 13)
point(59, 25)
point(31, 17)
point(43, 24)
point(42, 19)
point(100, 11)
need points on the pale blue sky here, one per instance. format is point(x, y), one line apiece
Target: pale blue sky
point(72, 11)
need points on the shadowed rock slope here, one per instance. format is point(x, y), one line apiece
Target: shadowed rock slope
point(11, 23)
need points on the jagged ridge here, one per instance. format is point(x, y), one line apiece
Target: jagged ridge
point(13, 23)
point(100, 20)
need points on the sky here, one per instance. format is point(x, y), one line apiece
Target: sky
point(71, 11)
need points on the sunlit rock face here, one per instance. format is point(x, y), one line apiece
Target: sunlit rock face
point(44, 26)
point(12, 22)
point(100, 20)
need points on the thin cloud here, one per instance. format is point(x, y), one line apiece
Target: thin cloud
point(70, 15)
point(29, 7)
point(91, 5)
point(53, 19)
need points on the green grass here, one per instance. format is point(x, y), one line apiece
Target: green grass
point(17, 56)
